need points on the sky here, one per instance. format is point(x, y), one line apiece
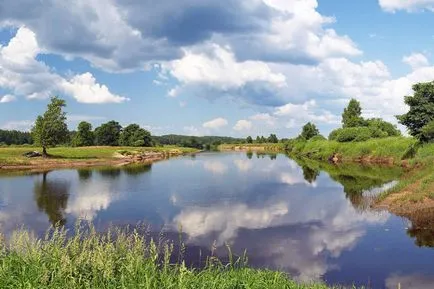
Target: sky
point(206, 67)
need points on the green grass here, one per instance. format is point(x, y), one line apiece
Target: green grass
point(118, 259)
point(393, 147)
point(13, 155)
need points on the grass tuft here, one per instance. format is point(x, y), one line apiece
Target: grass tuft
point(118, 259)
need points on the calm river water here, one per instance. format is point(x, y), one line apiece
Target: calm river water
point(311, 223)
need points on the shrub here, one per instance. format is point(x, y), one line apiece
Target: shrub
point(334, 134)
point(352, 134)
point(318, 138)
point(427, 132)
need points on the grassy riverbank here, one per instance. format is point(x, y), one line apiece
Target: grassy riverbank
point(12, 157)
point(129, 260)
point(413, 193)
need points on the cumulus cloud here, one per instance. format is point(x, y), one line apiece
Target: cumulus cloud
point(416, 60)
point(414, 5)
point(23, 125)
point(23, 74)
point(264, 117)
point(242, 125)
point(126, 35)
point(215, 123)
point(7, 98)
point(86, 90)
point(308, 111)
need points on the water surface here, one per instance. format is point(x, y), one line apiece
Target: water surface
point(313, 224)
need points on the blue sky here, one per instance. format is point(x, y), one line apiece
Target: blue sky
point(202, 67)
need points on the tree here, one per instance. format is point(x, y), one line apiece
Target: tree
point(384, 126)
point(134, 135)
point(352, 115)
point(50, 129)
point(421, 109)
point(108, 134)
point(84, 136)
point(273, 138)
point(309, 131)
point(258, 139)
point(249, 139)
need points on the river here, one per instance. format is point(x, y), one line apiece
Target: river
point(314, 223)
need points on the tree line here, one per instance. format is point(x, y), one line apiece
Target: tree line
point(9, 137)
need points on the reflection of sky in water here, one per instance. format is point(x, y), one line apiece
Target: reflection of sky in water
point(287, 218)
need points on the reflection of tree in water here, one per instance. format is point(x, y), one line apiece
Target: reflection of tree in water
point(310, 174)
point(84, 174)
point(355, 179)
point(422, 228)
point(249, 155)
point(52, 198)
point(262, 155)
point(135, 170)
point(111, 173)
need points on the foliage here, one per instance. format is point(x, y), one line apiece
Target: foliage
point(249, 139)
point(108, 134)
point(421, 109)
point(134, 135)
point(84, 135)
point(352, 115)
point(273, 138)
point(14, 137)
point(180, 140)
point(121, 258)
point(427, 132)
point(50, 129)
point(318, 138)
point(384, 126)
point(309, 131)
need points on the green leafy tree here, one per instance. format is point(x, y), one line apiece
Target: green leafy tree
point(134, 135)
point(273, 138)
point(384, 126)
point(50, 129)
point(263, 139)
point(427, 132)
point(249, 139)
point(84, 136)
point(309, 131)
point(421, 109)
point(108, 134)
point(258, 139)
point(352, 115)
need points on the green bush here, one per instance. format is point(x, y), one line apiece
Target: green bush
point(427, 132)
point(318, 138)
point(334, 134)
point(354, 134)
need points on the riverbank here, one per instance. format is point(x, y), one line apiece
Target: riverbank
point(120, 259)
point(411, 197)
point(12, 158)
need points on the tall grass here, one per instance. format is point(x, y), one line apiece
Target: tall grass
point(118, 259)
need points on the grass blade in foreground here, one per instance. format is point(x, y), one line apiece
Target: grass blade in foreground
point(92, 260)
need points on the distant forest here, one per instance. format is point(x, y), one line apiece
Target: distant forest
point(14, 137)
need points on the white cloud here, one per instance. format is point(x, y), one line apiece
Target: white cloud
point(218, 68)
point(416, 60)
point(215, 123)
point(264, 117)
point(307, 111)
point(22, 125)
point(26, 76)
point(85, 89)
point(413, 5)
point(7, 98)
point(243, 125)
